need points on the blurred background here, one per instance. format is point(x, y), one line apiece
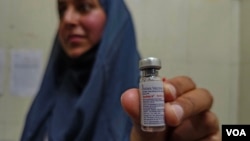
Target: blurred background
point(208, 40)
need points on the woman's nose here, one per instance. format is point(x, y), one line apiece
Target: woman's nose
point(71, 16)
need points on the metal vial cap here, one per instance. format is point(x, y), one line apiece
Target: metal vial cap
point(150, 62)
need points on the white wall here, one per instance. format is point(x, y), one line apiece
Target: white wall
point(198, 38)
point(29, 24)
point(244, 115)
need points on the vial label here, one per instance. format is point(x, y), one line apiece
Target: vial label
point(152, 103)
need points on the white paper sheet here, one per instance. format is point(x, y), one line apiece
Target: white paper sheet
point(26, 69)
point(2, 69)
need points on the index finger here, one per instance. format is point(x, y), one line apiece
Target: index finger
point(182, 84)
point(177, 86)
point(188, 105)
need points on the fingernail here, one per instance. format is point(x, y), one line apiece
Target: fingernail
point(171, 89)
point(177, 110)
point(164, 79)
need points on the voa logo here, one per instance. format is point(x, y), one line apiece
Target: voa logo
point(236, 132)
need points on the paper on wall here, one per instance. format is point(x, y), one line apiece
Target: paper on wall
point(2, 69)
point(26, 70)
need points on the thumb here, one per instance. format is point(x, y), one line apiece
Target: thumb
point(130, 102)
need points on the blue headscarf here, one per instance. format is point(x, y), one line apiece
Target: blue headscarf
point(97, 114)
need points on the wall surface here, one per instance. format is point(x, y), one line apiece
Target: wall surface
point(244, 115)
point(25, 24)
point(199, 38)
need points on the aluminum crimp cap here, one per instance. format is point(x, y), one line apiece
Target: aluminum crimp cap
point(150, 62)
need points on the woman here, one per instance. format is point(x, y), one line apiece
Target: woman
point(94, 59)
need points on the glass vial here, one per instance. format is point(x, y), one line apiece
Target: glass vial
point(151, 96)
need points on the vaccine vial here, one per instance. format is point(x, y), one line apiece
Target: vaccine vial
point(151, 96)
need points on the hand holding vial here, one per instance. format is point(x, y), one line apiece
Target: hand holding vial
point(187, 113)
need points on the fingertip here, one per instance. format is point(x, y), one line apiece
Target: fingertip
point(174, 114)
point(129, 96)
point(130, 102)
point(170, 92)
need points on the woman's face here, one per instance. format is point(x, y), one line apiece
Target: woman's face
point(81, 25)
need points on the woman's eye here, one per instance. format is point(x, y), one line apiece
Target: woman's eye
point(84, 8)
point(61, 9)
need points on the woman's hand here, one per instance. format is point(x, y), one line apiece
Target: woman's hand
point(187, 113)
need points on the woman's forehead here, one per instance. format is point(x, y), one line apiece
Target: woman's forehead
point(102, 3)
point(78, 0)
